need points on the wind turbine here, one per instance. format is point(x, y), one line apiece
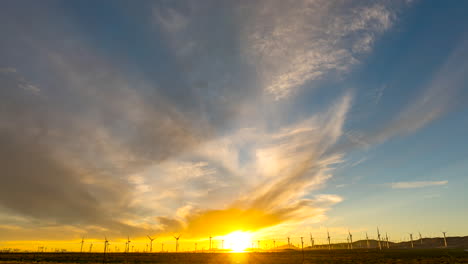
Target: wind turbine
point(82, 242)
point(177, 242)
point(289, 242)
point(386, 237)
point(105, 245)
point(151, 243)
point(420, 238)
point(302, 248)
point(274, 244)
point(378, 235)
point(128, 244)
point(90, 247)
point(311, 241)
point(350, 240)
point(367, 240)
point(329, 242)
point(445, 239)
point(411, 238)
point(210, 242)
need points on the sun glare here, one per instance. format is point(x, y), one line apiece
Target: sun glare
point(238, 241)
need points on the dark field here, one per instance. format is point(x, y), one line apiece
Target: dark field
point(315, 256)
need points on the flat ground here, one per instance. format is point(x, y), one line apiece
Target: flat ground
point(315, 256)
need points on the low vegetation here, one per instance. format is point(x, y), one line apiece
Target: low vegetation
point(292, 256)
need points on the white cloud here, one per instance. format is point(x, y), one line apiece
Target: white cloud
point(417, 184)
point(29, 87)
point(170, 19)
point(293, 42)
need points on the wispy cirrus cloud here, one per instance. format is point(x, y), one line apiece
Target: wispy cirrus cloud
point(442, 94)
point(271, 184)
point(291, 43)
point(416, 184)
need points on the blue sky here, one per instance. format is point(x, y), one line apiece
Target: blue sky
point(150, 118)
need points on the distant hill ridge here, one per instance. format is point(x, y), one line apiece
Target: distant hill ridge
point(435, 242)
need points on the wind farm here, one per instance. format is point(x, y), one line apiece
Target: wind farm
point(239, 249)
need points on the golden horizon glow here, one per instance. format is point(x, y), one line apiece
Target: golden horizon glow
point(238, 241)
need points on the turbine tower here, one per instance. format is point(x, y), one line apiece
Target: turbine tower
point(350, 240)
point(128, 245)
point(386, 238)
point(411, 238)
point(90, 247)
point(151, 243)
point(329, 241)
point(302, 248)
point(367, 240)
point(177, 242)
point(210, 242)
point(445, 239)
point(105, 245)
point(378, 235)
point(420, 238)
point(289, 242)
point(311, 241)
point(82, 242)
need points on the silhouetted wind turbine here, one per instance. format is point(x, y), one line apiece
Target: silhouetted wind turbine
point(367, 240)
point(445, 239)
point(311, 240)
point(350, 240)
point(82, 242)
point(177, 242)
point(128, 244)
point(420, 238)
point(151, 243)
point(329, 241)
point(90, 247)
point(105, 245)
point(411, 238)
point(378, 235)
point(386, 237)
point(289, 242)
point(302, 248)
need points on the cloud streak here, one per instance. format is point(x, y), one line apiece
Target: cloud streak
point(417, 184)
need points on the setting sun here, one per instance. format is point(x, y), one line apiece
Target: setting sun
point(238, 241)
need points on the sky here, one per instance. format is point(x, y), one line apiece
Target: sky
point(276, 118)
